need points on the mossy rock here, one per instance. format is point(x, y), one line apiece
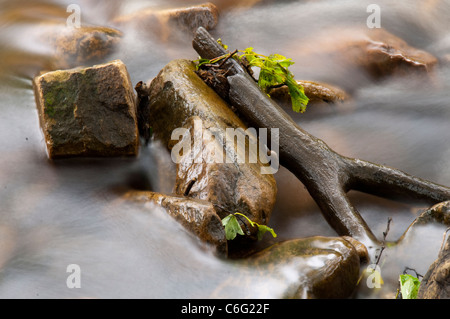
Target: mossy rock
point(88, 111)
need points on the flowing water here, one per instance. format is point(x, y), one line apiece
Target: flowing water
point(53, 214)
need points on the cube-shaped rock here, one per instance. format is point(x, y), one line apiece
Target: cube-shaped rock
point(88, 111)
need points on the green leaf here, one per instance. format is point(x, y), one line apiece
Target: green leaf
point(262, 229)
point(274, 72)
point(232, 227)
point(409, 286)
point(222, 44)
point(267, 79)
point(298, 98)
point(281, 60)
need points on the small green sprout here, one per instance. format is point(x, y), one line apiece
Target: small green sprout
point(273, 73)
point(232, 227)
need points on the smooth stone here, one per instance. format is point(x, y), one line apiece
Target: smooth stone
point(177, 95)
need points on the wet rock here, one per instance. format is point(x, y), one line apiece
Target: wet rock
point(331, 266)
point(177, 98)
point(436, 282)
point(439, 213)
point(88, 112)
point(171, 22)
point(317, 93)
point(307, 268)
point(361, 249)
point(197, 216)
point(86, 45)
point(191, 18)
point(340, 54)
point(388, 54)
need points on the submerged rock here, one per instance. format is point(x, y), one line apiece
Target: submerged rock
point(308, 268)
point(88, 111)
point(177, 98)
point(387, 54)
point(167, 23)
point(338, 55)
point(86, 45)
point(436, 282)
point(197, 216)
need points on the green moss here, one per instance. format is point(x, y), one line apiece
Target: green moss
point(49, 102)
point(59, 94)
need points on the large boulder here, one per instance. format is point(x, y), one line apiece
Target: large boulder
point(177, 98)
point(307, 268)
point(327, 267)
point(88, 111)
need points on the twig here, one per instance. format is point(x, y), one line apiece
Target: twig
point(277, 86)
point(383, 243)
point(227, 71)
point(327, 175)
point(226, 59)
point(412, 269)
point(211, 65)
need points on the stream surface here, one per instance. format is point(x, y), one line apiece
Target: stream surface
point(53, 214)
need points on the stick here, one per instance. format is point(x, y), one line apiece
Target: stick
point(327, 175)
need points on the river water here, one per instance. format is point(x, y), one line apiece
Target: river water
point(53, 214)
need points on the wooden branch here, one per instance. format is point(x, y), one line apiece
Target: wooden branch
point(328, 176)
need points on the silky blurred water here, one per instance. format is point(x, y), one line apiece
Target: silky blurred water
point(53, 214)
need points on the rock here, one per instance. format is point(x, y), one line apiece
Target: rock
point(317, 93)
point(439, 213)
point(436, 282)
point(330, 266)
point(191, 18)
point(171, 22)
point(360, 248)
point(86, 45)
point(388, 54)
point(88, 112)
point(335, 55)
point(177, 98)
point(307, 268)
point(197, 216)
